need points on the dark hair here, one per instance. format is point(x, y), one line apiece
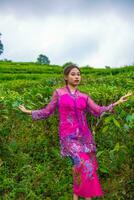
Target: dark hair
point(69, 68)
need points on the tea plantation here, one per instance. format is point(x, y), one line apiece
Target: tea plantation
point(31, 167)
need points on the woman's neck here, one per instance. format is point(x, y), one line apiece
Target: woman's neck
point(72, 88)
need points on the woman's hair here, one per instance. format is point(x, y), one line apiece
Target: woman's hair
point(69, 68)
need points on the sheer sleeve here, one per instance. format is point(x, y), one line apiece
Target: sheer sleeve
point(96, 109)
point(48, 110)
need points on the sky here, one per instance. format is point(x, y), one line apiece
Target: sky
point(97, 33)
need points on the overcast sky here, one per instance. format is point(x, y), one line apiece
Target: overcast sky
point(86, 32)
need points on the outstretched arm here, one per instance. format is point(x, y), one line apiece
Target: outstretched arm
point(97, 110)
point(123, 98)
point(48, 110)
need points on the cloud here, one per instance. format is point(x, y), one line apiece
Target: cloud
point(43, 8)
point(85, 33)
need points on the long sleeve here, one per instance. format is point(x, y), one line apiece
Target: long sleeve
point(48, 110)
point(96, 109)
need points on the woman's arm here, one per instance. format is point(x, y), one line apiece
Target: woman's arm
point(44, 112)
point(122, 99)
point(23, 109)
point(97, 110)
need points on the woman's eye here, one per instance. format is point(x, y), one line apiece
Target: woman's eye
point(76, 74)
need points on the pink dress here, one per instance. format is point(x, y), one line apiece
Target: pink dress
point(76, 138)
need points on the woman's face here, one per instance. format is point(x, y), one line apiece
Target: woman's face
point(74, 77)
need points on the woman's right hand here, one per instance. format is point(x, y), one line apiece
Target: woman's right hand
point(23, 109)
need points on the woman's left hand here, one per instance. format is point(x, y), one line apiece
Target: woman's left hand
point(124, 98)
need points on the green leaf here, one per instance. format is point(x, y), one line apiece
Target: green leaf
point(116, 123)
point(111, 155)
point(99, 153)
point(116, 147)
point(130, 118)
point(104, 169)
point(104, 130)
point(108, 119)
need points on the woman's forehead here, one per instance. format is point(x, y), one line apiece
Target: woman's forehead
point(74, 70)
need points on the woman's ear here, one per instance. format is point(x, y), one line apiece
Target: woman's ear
point(65, 77)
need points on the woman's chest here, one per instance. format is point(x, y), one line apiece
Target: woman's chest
point(71, 102)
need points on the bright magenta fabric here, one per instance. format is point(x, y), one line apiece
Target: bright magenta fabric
point(85, 178)
point(74, 133)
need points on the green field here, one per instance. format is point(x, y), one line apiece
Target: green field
point(31, 167)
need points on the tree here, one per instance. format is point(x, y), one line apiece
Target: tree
point(88, 66)
point(1, 46)
point(42, 59)
point(107, 67)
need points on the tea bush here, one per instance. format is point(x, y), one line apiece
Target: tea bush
point(31, 166)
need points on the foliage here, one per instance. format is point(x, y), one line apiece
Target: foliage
point(1, 46)
point(30, 163)
point(43, 60)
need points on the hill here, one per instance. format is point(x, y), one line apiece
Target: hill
point(30, 163)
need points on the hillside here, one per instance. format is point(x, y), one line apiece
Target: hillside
point(30, 163)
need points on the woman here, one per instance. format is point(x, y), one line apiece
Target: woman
point(76, 138)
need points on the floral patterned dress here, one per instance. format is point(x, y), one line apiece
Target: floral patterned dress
point(76, 138)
